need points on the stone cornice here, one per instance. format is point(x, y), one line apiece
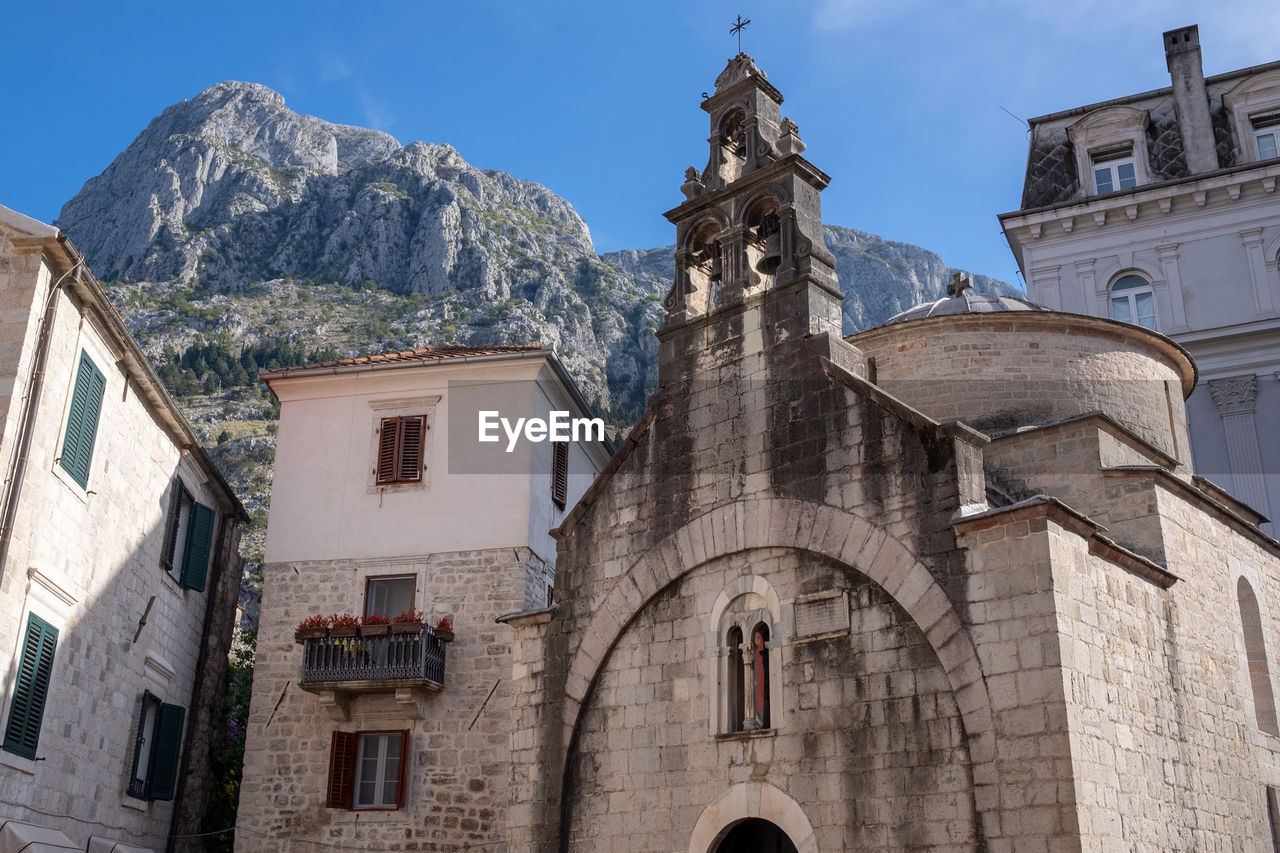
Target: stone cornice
point(1212, 188)
point(802, 167)
point(1044, 506)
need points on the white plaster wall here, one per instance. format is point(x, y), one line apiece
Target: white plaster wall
point(584, 463)
point(324, 504)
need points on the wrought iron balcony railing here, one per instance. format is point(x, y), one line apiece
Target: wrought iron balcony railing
point(386, 662)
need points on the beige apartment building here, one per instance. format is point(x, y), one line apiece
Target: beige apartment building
point(119, 570)
point(386, 501)
point(1160, 209)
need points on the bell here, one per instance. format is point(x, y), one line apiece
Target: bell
point(772, 259)
point(715, 270)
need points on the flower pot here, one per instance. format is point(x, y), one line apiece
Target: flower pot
point(344, 631)
point(445, 634)
point(406, 627)
point(309, 634)
point(374, 630)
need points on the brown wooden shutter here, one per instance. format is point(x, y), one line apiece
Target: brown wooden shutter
point(342, 770)
point(409, 462)
point(388, 436)
point(404, 763)
point(560, 473)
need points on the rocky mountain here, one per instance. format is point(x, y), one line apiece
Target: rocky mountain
point(235, 234)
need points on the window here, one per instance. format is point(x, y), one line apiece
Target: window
point(733, 683)
point(367, 770)
point(188, 539)
point(560, 473)
point(1266, 135)
point(745, 667)
point(1133, 301)
point(156, 749)
point(82, 420)
point(1114, 170)
point(400, 449)
point(1264, 703)
point(760, 688)
point(35, 669)
point(389, 597)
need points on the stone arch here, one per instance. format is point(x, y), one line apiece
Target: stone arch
point(741, 586)
point(805, 526)
point(747, 800)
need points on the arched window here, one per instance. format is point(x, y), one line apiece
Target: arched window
point(735, 698)
point(760, 693)
point(746, 658)
point(1133, 301)
point(1255, 649)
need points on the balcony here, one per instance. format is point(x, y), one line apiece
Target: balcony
point(409, 665)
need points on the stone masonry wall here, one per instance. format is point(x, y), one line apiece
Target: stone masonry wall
point(999, 373)
point(867, 735)
point(459, 753)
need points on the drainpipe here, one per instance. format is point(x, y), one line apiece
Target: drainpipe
point(26, 427)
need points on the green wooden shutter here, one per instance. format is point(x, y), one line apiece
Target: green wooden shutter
point(82, 420)
point(171, 526)
point(195, 559)
point(166, 749)
point(26, 709)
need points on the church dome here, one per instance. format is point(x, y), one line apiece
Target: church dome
point(968, 301)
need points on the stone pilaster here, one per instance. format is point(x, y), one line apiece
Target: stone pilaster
point(1235, 397)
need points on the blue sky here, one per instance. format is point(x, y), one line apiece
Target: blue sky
point(902, 103)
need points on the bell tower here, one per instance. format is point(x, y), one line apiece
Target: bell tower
point(750, 258)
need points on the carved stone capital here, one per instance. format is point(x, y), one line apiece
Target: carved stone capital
point(1234, 395)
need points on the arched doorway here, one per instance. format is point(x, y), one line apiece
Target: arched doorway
point(755, 835)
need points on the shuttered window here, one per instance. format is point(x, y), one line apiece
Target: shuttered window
point(35, 669)
point(560, 473)
point(82, 420)
point(400, 443)
point(188, 539)
point(157, 749)
point(367, 770)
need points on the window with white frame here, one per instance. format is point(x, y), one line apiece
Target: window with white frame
point(389, 597)
point(1133, 301)
point(1266, 135)
point(367, 770)
point(1114, 169)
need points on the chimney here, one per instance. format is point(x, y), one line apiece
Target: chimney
point(1182, 53)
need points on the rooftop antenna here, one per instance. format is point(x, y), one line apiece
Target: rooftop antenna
point(737, 28)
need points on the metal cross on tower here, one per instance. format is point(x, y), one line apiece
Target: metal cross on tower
point(737, 28)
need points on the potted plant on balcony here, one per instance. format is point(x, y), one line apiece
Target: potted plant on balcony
point(444, 629)
point(407, 622)
point(311, 628)
point(374, 626)
point(345, 625)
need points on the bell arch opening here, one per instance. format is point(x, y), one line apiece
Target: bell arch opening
point(754, 835)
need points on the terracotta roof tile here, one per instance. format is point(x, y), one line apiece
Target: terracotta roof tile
point(424, 354)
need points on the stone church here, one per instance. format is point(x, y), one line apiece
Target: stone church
point(949, 584)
